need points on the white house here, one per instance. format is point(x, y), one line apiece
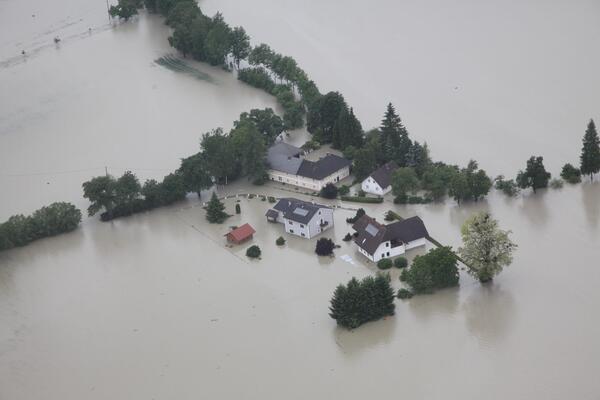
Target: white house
point(380, 181)
point(376, 241)
point(287, 165)
point(301, 218)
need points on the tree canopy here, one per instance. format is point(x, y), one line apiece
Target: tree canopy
point(535, 175)
point(590, 152)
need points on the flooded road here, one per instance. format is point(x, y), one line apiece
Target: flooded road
point(155, 305)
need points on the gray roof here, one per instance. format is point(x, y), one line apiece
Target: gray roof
point(284, 157)
point(322, 168)
point(297, 210)
point(272, 214)
point(371, 233)
point(383, 174)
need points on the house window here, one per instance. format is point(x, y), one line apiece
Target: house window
point(301, 226)
point(280, 178)
point(291, 231)
point(290, 222)
point(382, 255)
point(387, 244)
point(388, 253)
point(303, 235)
point(319, 212)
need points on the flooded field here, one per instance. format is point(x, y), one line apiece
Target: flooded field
point(156, 306)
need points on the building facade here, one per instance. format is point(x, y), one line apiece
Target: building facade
point(301, 218)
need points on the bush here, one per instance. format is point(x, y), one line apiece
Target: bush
point(253, 251)
point(556, 183)
point(238, 209)
point(360, 199)
point(324, 247)
point(404, 294)
point(404, 275)
point(384, 263)
point(361, 193)
point(362, 301)
point(570, 174)
point(347, 238)
point(508, 187)
point(272, 199)
point(311, 145)
point(359, 213)
point(435, 270)
point(329, 191)
point(400, 262)
point(344, 190)
point(280, 241)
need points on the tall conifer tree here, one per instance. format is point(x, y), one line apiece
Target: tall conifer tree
point(590, 153)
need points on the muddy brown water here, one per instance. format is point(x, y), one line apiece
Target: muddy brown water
point(156, 306)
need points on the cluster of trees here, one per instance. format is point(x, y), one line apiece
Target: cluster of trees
point(20, 230)
point(362, 301)
point(435, 270)
point(125, 9)
point(118, 197)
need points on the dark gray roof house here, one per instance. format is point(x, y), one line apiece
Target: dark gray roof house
point(322, 168)
point(296, 210)
point(383, 174)
point(371, 233)
point(287, 158)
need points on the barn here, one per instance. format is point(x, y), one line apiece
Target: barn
point(240, 234)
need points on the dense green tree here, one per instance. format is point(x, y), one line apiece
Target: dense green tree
point(486, 248)
point(127, 189)
point(534, 176)
point(257, 77)
point(240, 45)
point(218, 41)
point(329, 191)
point(508, 186)
point(347, 130)
point(458, 188)
point(418, 158)
point(324, 114)
point(215, 210)
point(394, 141)
point(324, 247)
point(293, 116)
point(100, 191)
point(125, 9)
point(267, 122)
point(172, 189)
point(435, 270)
point(183, 40)
point(404, 180)
point(436, 180)
point(218, 155)
point(359, 302)
point(151, 191)
point(570, 173)
point(470, 183)
point(253, 252)
point(249, 148)
point(261, 55)
point(364, 163)
point(195, 176)
point(590, 153)
point(182, 14)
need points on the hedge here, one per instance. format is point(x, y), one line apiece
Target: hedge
point(359, 199)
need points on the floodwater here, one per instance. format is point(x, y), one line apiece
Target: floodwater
point(155, 306)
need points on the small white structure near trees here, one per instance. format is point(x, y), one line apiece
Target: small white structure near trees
point(380, 181)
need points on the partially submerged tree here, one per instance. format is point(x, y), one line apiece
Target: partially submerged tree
point(215, 210)
point(101, 193)
point(404, 180)
point(486, 248)
point(435, 270)
point(590, 153)
point(570, 174)
point(324, 247)
point(329, 191)
point(253, 251)
point(535, 175)
point(359, 302)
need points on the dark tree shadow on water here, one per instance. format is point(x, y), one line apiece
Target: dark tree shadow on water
point(369, 335)
point(535, 209)
point(590, 193)
point(489, 312)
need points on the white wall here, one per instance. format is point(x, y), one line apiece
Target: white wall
point(386, 247)
point(308, 183)
point(369, 185)
point(313, 227)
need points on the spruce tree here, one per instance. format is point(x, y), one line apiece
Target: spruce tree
point(590, 153)
point(215, 210)
point(395, 143)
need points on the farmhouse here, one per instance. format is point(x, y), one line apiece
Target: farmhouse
point(376, 241)
point(241, 234)
point(380, 181)
point(288, 165)
point(301, 218)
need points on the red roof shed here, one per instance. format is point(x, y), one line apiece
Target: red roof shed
point(241, 234)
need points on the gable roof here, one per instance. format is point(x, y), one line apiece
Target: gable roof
point(241, 233)
point(383, 174)
point(297, 210)
point(284, 157)
point(371, 233)
point(322, 168)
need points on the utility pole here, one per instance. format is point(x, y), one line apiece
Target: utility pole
point(108, 10)
point(106, 171)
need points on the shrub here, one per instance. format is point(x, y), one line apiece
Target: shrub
point(311, 145)
point(253, 251)
point(570, 174)
point(400, 262)
point(347, 238)
point(324, 247)
point(404, 275)
point(359, 213)
point(280, 241)
point(508, 187)
point(360, 199)
point(402, 198)
point(344, 190)
point(391, 216)
point(362, 301)
point(404, 294)
point(272, 199)
point(556, 183)
point(329, 191)
point(238, 209)
point(384, 263)
point(435, 270)
point(215, 210)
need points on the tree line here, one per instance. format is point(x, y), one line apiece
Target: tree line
point(20, 230)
